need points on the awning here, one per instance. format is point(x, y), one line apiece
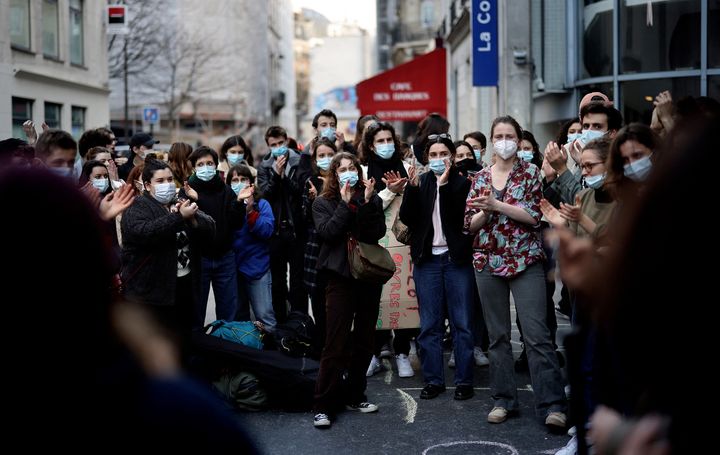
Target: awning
point(407, 92)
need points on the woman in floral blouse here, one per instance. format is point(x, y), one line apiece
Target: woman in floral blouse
point(503, 209)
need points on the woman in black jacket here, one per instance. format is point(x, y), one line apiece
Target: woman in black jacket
point(160, 266)
point(345, 208)
point(434, 212)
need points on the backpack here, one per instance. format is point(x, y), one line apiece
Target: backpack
point(243, 332)
point(295, 336)
point(243, 390)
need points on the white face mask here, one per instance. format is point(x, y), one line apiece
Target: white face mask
point(505, 148)
point(164, 192)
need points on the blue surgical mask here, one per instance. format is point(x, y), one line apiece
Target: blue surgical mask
point(595, 181)
point(526, 155)
point(237, 187)
point(164, 192)
point(101, 184)
point(572, 137)
point(437, 165)
point(328, 133)
point(65, 172)
point(589, 135)
point(205, 173)
point(478, 155)
point(279, 151)
point(324, 163)
point(350, 177)
point(639, 170)
point(235, 158)
point(385, 151)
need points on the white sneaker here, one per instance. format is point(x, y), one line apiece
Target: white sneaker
point(321, 421)
point(363, 407)
point(451, 362)
point(570, 448)
point(374, 367)
point(404, 368)
point(386, 351)
point(480, 359)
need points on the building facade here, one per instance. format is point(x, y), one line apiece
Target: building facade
point(53, 65)
point(552, 52)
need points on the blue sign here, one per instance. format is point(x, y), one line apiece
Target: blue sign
point(485, 42)
point(151, 115)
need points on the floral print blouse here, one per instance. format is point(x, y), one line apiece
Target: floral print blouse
point(504, 245)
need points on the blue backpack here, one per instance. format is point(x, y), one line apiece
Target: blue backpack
point(243, 332)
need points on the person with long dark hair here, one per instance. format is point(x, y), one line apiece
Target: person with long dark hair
point(465, 160)
point(433, 123)
point(234, 152)
point(347, 206)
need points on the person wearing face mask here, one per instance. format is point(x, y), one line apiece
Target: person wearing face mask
point(347, 205)
point(529, 150)
point(383, 161)
point(324, 124)
point(235, 152)
point(280, 180)
point(503, 211)
point(465, 160)
point(252, 250)
point(630, 164)
point(433, 209)
point(477, 140)
point(219, 201)
point(55, 150)
point(96, 174)
point(160, 255)
point(316, 282)
point(598, 119)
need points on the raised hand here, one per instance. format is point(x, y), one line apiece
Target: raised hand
point(412, 175)
point(552, 214)
point(394, 181)
point(369, 188)
point(339, 140)
point(117, 202)
point(91, 193)
point(664, 105)
point(312, 191)
point(571, 212)
point(576, 149)
point(485, 201)
point(190, 192)
point(445, 175)
point(550, 173)
point(187, 209)
point(555, 157)
point(346, 192)
point(113, 171)
point(246, 192)
point(279, 165)
point(29, 128)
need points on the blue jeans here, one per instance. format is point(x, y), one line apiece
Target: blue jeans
point(222, 273)
point(437, 282)
point(528, 289)
point(258, 294)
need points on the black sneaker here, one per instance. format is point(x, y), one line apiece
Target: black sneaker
point(431, 391)
point(464, 392)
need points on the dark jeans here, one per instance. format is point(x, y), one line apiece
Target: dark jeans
point(442, 286)
point(400, 339)
point(349, 304)
point(222, 273)
point(284, 250)
point(317, 299)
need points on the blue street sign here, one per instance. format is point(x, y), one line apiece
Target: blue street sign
point(151, 115)
point(485, 42)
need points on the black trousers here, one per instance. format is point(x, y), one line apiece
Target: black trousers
point(286, 250)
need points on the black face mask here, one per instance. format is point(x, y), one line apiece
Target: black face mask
point(464, 165)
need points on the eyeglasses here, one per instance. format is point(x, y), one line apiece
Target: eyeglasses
point(434, 137)
point(589, 166)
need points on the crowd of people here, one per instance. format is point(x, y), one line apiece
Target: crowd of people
point(487, 217)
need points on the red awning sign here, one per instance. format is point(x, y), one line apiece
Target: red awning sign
point(407, 92)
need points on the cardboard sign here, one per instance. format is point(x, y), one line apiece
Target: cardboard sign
point(398, 303)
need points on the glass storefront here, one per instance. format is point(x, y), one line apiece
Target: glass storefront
point(638, 96)
point(596, 36)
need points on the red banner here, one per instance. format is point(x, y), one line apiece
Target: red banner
point(407, 92)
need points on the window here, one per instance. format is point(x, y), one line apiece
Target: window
point(713, 32)
point(76, 32)
point(21, 111)
point(596, 51)
point(78, 121)
point(606, 88)
point(713, 89)
point(638, 96)
point(427, 11)
point(52, 114)
point(20, 23)
point(50, 28)
point(659, 35)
